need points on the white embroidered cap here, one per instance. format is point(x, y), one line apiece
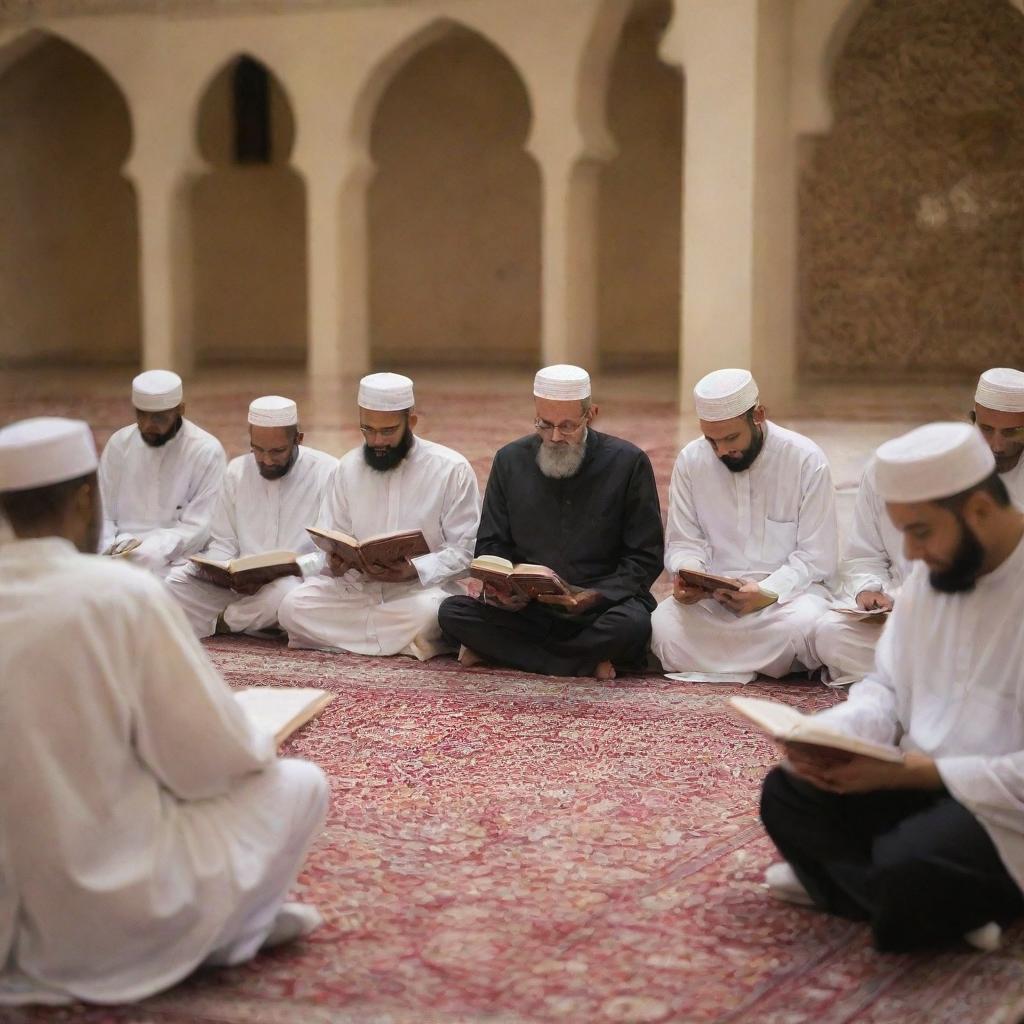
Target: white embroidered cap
point(934, 461)
point(386, 392)
point(273, 411)
point(45, 450)
point(562, 382)
point(1001, 389)
point(725, 394)
point(156, 391)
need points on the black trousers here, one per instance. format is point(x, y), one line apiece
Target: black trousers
point(917, 865)
point(538, 639)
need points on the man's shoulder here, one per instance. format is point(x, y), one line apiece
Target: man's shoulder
point(440, 454)
point(618, 447)
point(112, 581)
point(782, 438)
point(522, 448)
point(121, 438)
point(317, 457)
point(195, 435)
point(238, 465)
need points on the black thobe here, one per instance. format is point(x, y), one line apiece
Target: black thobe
point(599, 530)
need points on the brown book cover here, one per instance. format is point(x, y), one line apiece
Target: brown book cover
point(383, 548)
point(526, 580)
point(707, 581)
point(263, 568)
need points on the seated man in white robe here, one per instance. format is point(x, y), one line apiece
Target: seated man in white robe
point(160, 479)
point(268, 500)
point(396, 481)
point(148, 828)
point(929, 849)
point(999, 415)
point(751, 501)
point(875, 566)
point(870, 579)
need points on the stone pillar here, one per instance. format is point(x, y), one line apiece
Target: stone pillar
point(569, 258)
point(739, 203)
point(338, 262)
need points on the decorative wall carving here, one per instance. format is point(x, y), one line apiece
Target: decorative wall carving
point(912, 208)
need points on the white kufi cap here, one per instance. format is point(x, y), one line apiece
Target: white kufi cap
point(386, 392)
point(931, 462)
point(1001, 389)
point(273, 411)
point(45, 450)
point(562, 382)
point(725, 394)
point(156, 391)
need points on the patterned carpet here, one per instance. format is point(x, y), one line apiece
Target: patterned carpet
point(507, 848)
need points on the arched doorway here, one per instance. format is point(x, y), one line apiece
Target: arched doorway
point(454, 211)
point(68, 228)
point(640, 200)
point(912, 207)
point(249, 223)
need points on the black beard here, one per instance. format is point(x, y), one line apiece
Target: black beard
point(159, 440)
point(384, 459)
point(963, 571)
point(276, 472)
point(746, 460)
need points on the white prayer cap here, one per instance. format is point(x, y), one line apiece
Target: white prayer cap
point(562, 382)
point(156, 391)
point(934, 461)
point(273, 411)
point(386, 392)
point(725, 394)
point(45, 450)
point(1001, 389)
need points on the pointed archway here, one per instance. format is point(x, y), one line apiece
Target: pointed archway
point(248, 223)
point(68, 227)
point(454, 210)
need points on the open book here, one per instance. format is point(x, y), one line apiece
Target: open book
point(281, 710)
point(124, 548)
point(251, 569)
point(524, 579)
point(382, 549)
point(876, 615)
point(784, 723)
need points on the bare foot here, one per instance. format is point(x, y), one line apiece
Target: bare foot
point(606, 670)
point(468, 658)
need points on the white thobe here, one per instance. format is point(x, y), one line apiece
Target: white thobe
point(145, 827)
point(432, 489)
point(1014, 481)
point(163, 496)
point(874, 561)
point(949, 682)
point(253, 516)
point(774, 523)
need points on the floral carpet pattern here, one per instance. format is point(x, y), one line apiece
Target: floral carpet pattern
point(505, 848)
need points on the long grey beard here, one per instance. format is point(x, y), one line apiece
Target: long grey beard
point(561, 461)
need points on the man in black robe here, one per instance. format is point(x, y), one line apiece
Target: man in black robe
point(585, 505)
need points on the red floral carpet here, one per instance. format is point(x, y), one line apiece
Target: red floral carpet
point(513, 848)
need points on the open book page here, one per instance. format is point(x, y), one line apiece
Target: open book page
point(281, 710)
point(729, 678)
point(784, 723)
point(264, 567)
point(858, 614)
point(524, 579)
point(384, 549)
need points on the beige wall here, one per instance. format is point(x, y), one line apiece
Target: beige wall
point(640, 196)
point(912, 208)
point(249, 240)
point(68, 240)
point(454, 212)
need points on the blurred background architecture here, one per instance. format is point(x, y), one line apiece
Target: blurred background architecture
point(821, 190)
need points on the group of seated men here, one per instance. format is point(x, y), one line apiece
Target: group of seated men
point(156, 830)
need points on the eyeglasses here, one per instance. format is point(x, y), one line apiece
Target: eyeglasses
point(385, 432)
point(566, 427)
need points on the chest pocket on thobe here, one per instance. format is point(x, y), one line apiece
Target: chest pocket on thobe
point(779, 541)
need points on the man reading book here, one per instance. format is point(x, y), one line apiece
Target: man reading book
point(580, 503)
point(395, 482)
point(160, 478)
point(930, 849)
point(268, 500)
point(147, 828)
point(754, 502)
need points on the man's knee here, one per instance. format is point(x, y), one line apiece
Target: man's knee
point(455, 611)
point(775, 791)
point(308, 789)
point(631, 624)
point(287, 609)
